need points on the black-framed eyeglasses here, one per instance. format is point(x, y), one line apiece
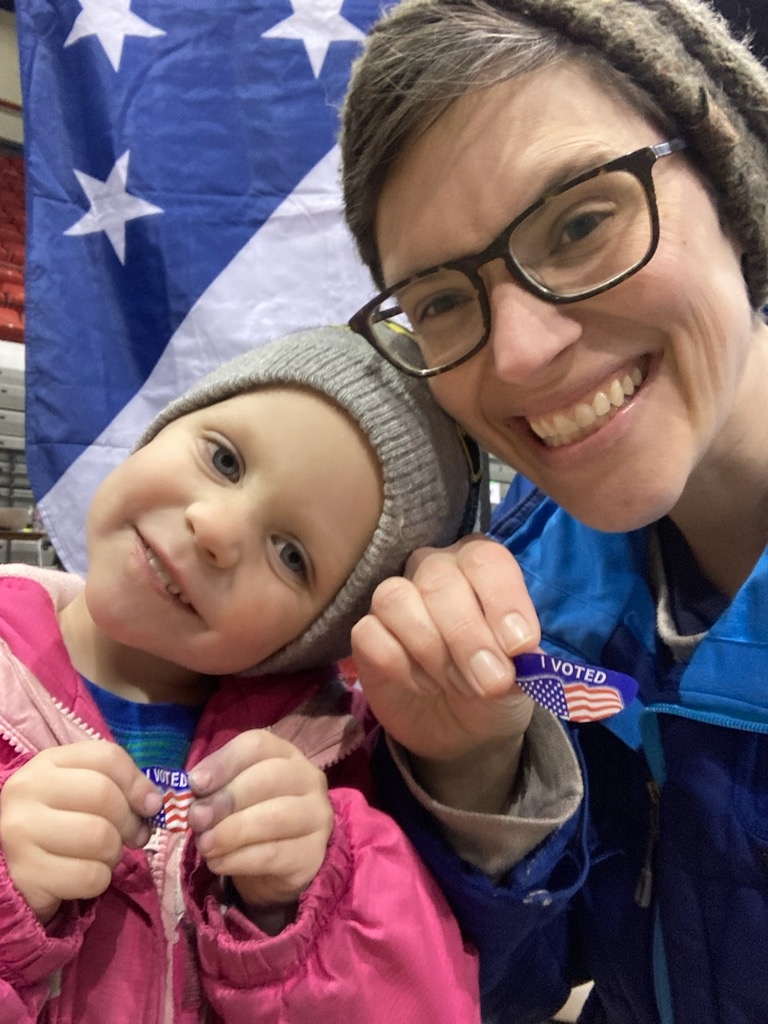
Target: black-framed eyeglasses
point(576, 241)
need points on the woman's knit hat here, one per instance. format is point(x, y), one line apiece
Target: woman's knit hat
point(428, 466)
point(680, 52)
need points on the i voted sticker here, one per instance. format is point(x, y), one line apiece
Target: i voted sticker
point(571, 690)
point(177, 797)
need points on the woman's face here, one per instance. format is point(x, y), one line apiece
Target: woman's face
point(667, 349)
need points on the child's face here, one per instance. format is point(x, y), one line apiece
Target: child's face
point(224, 537)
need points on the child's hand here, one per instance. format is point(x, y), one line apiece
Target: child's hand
point(65, 817)
point(263, 817)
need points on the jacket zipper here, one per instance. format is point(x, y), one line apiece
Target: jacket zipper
point(70, 716)
point(8, 736)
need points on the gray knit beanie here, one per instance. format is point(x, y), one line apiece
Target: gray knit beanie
point(429, 468)
point(710, 86)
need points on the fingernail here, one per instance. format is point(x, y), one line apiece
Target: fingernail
point(488, 670)
point(204, 843)
point(152, 803)
point(199, 779)
point(141, 838)
point(515, 631)
point(200, 816)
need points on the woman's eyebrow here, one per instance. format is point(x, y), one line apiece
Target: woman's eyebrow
point(571, 167)
point(557, 175)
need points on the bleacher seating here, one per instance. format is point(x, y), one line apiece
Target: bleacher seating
point(12, 294)
point(10, 272)
point(11, 324)
point(10, 233)
point(12, 243)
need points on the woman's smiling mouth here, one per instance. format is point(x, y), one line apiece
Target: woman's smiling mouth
point(577, 421)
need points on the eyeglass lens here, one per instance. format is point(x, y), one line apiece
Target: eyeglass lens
point(569, 244)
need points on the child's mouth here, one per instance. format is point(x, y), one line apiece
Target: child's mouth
point(164, 577)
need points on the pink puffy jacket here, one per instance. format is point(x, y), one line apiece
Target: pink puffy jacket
point(373, 943)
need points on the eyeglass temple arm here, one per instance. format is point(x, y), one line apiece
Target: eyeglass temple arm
point(669, 147)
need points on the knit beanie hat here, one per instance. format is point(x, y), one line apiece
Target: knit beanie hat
point(429, 484)
point(680, 52)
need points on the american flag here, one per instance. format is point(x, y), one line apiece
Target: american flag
point(573, 691)
point(176, 798)
point(173, 814)
point(183, 205)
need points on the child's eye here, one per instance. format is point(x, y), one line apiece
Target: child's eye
point(225, 461)
point(291, 556)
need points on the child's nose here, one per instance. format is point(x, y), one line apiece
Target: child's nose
point(217, 531)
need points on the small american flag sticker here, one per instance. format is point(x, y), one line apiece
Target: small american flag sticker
point(571, 690)
point(177, 797)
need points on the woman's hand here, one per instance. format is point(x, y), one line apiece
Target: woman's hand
point(433, 658)
point(64, 818)
point(262, 817)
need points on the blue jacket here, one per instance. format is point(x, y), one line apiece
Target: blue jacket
point(658, 887)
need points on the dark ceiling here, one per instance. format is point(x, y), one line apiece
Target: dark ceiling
point(747, 15)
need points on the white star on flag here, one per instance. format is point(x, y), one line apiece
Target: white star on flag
point(317, 23)
point(111, 206)
point(110, 21)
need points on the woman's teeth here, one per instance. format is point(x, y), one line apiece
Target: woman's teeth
point(585, 418)
point(164, 578)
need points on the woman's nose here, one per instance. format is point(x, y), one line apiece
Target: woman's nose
point(218, 531)
point(527, 333)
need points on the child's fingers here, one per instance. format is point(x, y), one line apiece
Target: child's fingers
point(73, 835)
point(247, 748)
point(206, 812)
point(132, 798)
point(273, 871)
point(268, 823)
point(65, 816)
point(143, 796)
point(283, 773)
point(95, 777)
point(279, 817)
point(271, 851)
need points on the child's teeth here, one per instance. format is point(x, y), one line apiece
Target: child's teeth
point(164, 578)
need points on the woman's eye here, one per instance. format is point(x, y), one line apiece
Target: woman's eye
point(291, 556)
point(225, 462)
point(441, 304)
point(580, 227)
